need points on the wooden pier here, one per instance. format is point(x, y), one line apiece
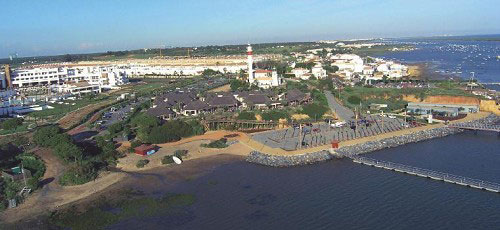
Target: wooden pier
point(446, 177)
point(476, 127)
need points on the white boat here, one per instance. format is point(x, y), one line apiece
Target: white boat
point(177, 160)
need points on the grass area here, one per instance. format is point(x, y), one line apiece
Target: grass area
point(105, 214)
point(60, 110)
point(18, 129)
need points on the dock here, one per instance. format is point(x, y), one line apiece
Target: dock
point(477, 127)
point(446, 177)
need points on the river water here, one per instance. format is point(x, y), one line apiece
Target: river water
point(340, 194)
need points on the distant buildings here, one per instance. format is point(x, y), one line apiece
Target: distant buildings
point(105, 77)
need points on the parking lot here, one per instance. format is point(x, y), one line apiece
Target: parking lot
point(323, 133)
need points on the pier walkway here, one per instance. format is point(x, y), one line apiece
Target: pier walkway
point(450, 178)
point(477, 126)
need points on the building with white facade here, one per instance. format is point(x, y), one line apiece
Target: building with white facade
point(299, 72)
point(318, 71)
point(106, 77)
point(264, 79)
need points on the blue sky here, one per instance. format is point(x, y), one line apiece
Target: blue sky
point(47, 27)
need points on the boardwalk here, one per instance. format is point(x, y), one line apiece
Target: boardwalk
point(476, 126)
point(450, 178)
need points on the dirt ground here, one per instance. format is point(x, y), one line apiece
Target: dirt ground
point(224, 88)
point(75, 117)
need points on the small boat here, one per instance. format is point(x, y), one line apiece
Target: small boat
point(177, 160)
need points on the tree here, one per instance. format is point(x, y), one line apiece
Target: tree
point(314, 110)
point(115, 128)
point(275, 115)
point(246, 115)
point(44, 134)
point(11, 123)
point(238, 85)
point(69, 152)
point(179, 128)
point(161, 134)
point(354, 100)
point(58, 138)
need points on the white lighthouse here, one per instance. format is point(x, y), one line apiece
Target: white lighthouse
point(250, 64)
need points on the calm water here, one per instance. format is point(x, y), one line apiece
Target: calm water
point(454, 57)
point(343, 195)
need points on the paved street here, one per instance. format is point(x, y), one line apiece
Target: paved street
point(342, 112)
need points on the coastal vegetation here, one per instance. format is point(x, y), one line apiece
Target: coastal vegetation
point(104, 213)
point(13, 153)
point(218, 144)
point(81, 166)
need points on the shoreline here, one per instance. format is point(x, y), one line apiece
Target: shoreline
point(167, 176)
point(361, 146)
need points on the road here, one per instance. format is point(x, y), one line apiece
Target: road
point(342, 112)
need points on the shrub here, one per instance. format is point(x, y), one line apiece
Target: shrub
point(354, 100)
point(314, 110)
point(196, 127)
point(180, 153)
point(69, 152)
point(57, 139)
point(11, 123)
point(142, 163)
point(219, 144)
point(77, 175)
point(179, 128)
point(167, 160)
point(275, 115)
point(44, 134)
point(135, 144)
point(246, 115)
point(161, 134)
point(115, 128)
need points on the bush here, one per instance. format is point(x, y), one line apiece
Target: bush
point(69, 152)
point(115, 128)
point(161, 134)
point(44, 134)
point(135, 144)
point(179, 128)
point(77, 175)
point(314, 111)
point(11, 123)
point(275, 115)
point(246, 115)
point(180, 153)
point(57, 139)
point(142, 163)
point(167, 160)
point(196, 127)
point(219, 144)
point(354, 100)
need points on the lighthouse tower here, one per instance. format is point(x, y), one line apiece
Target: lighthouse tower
point(250, 64)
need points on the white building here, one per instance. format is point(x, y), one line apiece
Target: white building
point(104, 76)
point(262, 78)
point(318, 71)
point(299, 72)
point(79, 88)
point(144, 69)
